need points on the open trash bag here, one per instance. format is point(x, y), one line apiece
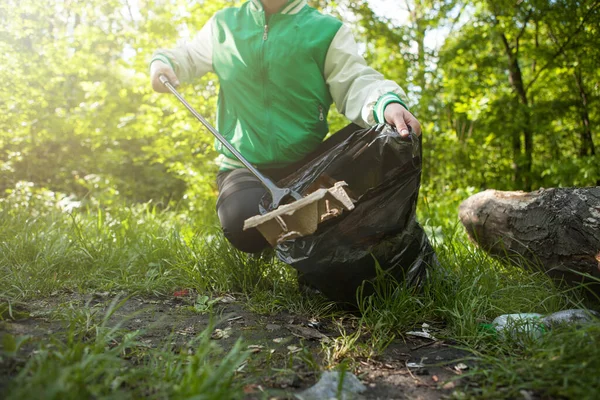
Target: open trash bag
point(383, 173)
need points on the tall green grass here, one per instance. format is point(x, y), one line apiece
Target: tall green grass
point(138, 249)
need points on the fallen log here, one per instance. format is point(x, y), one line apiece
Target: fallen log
point(556, 229)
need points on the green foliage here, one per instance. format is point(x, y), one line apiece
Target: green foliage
point(490, 120)
point(82, 120)
point(81, 116)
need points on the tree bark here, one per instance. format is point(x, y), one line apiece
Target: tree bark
point(555, 229)
point(587, 143)
point(522, 161)
point(420, 37)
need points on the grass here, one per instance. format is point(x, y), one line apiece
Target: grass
point(140, 251)
point(563, 364)
point(92, 361)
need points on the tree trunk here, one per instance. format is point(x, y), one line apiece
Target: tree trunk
point(528, 156)
point(555, 229)
point(587, 143)
point(420, 38)
point(522, 161)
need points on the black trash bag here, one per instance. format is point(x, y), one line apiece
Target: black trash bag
point(383, 173)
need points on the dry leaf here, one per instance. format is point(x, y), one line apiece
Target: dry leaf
point(294, 349)
point(461, 367)
point(255, 348)
point(252, 388)
point(227, 299)
point(219, 334)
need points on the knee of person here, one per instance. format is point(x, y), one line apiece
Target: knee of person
point(233, 210)
point(250, 241)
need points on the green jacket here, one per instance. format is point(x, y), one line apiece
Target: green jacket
point(278, 78)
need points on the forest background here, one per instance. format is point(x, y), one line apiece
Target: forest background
point(507, 92)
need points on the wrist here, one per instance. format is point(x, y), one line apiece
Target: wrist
point(383, 102)
point(162, 58)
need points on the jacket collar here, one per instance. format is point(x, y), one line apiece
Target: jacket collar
point(292, 6)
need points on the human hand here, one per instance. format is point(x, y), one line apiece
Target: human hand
point(158, 68)
point(395, 114)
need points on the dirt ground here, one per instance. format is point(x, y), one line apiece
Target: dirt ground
point(287, 350)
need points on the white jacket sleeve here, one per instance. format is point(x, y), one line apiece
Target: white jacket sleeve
point(191, 59)
point(359, 92)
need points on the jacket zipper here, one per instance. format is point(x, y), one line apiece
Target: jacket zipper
point(265, 75)
point(321, 115)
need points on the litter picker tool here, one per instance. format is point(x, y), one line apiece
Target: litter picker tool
point(278, 195)
point(282, 221)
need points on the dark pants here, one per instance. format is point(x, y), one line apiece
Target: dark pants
point(240, 194)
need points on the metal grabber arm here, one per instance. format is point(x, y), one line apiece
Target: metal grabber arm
point(278, 195)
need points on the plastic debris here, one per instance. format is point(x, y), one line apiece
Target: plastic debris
point(424, 332)
point(534, 325)
point(574, 316)
point(519, 324)
point(329, 387)
point(425, 335)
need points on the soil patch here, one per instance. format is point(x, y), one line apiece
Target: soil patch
point(288, 352)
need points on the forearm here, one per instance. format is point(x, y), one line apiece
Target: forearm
point(360, 92)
